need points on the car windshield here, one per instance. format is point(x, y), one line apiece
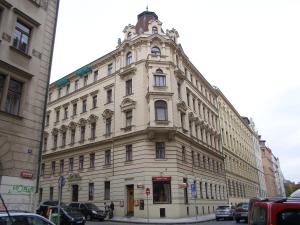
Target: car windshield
point(91, 206)
point(71, 210)
point(243, 205)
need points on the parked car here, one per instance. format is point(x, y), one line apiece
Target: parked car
point(44, 206)
point(89, 210)
point(241, 212)
point(279, 211)
point(68, 215)
point(23, 218)
point(224, 212)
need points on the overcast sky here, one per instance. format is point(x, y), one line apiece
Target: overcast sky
point(248, 49)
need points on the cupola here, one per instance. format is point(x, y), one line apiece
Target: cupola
point(143, 21)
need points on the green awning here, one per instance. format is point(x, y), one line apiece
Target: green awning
point(83, 70)
point(62, 82)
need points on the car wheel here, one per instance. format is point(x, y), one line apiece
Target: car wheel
point(237, 220)
point(217, 219)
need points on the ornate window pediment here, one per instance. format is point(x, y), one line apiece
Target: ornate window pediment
point(191, 116)
point(54, 131)
point(127, 104)
point(46, 134)
point(92, 118)
point(107, 113)
point(72, 125)
point(82, 122)
point(181, 106)
point(63, 128)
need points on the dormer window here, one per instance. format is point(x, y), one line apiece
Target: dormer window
point(129, 36)
point(155, 51)
point(128, 58)
point(154, 30)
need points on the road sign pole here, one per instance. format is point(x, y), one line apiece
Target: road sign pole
point(147, 210)
point(61, 183)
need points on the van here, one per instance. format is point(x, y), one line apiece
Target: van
point(275, 211)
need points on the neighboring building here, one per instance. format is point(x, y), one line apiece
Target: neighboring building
point(273, 175)
point(27, 31)
point(140, 116)
point(238, 148)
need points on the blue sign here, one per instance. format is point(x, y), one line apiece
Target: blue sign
point(61, 181)
point(193, 189)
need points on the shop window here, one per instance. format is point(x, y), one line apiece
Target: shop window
point(162, 192)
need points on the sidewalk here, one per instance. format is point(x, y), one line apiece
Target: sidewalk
point(186, 220)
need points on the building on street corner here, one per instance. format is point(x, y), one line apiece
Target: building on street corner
point(27, 30)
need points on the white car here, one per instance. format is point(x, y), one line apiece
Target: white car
point(23, 218)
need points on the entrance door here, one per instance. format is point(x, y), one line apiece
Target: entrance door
point(130, 200)
point(74, 193)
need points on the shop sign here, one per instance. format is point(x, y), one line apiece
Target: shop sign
point(161, 178)
point(182, 185)
point(26, 175)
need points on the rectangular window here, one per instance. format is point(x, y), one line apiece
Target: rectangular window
point(188, 98)
point(183, 153)
point(85, 80)
point(61, 166)
point(53, 167)
point(50, 97)
point(201, 194)
point(109, 69)
point(66, 113)
point(162, 192)
point(67, 89)
point(193, 158)
point(179, 90)
point(72, 136)
point(94, 101)
point(186, 197)
point(92, 160)
point(128, 115)
point(13, 98)
point(51, 193)
point(159, 80)
point(108, 126)
point(47, 119)
point(57, 115)
point(45, 143)
point(81, 161)
point(83, 105)
point(109, 96)
point(55, 136)
point(59, 93)
point(128, 87)
point(91, 191)
point(74, 109)
point(160, 150)
point(71, 164)
point(40, 194)
point(93, 131)
point(21, 36)
point(106, 190)
point(43, 169)
point(63, 138)
point(95, 75)
point(82, 133)
point(76, 84)
point(128, 152)
point(107, 157)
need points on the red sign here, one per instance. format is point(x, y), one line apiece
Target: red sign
point(26, 175)
point(147, 191)
point(161, 178)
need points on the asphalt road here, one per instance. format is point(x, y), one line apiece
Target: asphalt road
point(200, 223)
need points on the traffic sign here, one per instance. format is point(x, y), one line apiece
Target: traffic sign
point(193, 189)
point(61, 181)
point(147, 191)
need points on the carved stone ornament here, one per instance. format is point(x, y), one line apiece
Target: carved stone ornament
point(72, 125)
point(181, 106)
point(82, 122)
point(54, 131)
point(63, 128)
point(92, 118)
point(46, 134)
point(107, 113)
point(127, 104)
point(191, 116)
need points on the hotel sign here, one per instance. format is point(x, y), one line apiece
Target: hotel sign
point(161, 178)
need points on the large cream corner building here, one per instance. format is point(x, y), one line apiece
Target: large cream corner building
point(142, 116)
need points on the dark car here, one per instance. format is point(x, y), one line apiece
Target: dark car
point(23, 218)
point(224, 212)
point(44, 206)
point(89, 210)
point(241, 212)
point(68, 215)
point(278, 211)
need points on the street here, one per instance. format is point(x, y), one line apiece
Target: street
point(213, 222)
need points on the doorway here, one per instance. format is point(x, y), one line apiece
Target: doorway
point(74, 193)
point(130, 199)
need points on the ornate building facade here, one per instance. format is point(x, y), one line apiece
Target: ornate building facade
point(238, 142)
point(27, 30)
point(141, 116)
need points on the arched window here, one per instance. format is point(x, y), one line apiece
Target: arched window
point(154, 30)
point(129, 35)
point(159, 78)
point(161, 111)
point(155, 50)
point(128, 58)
